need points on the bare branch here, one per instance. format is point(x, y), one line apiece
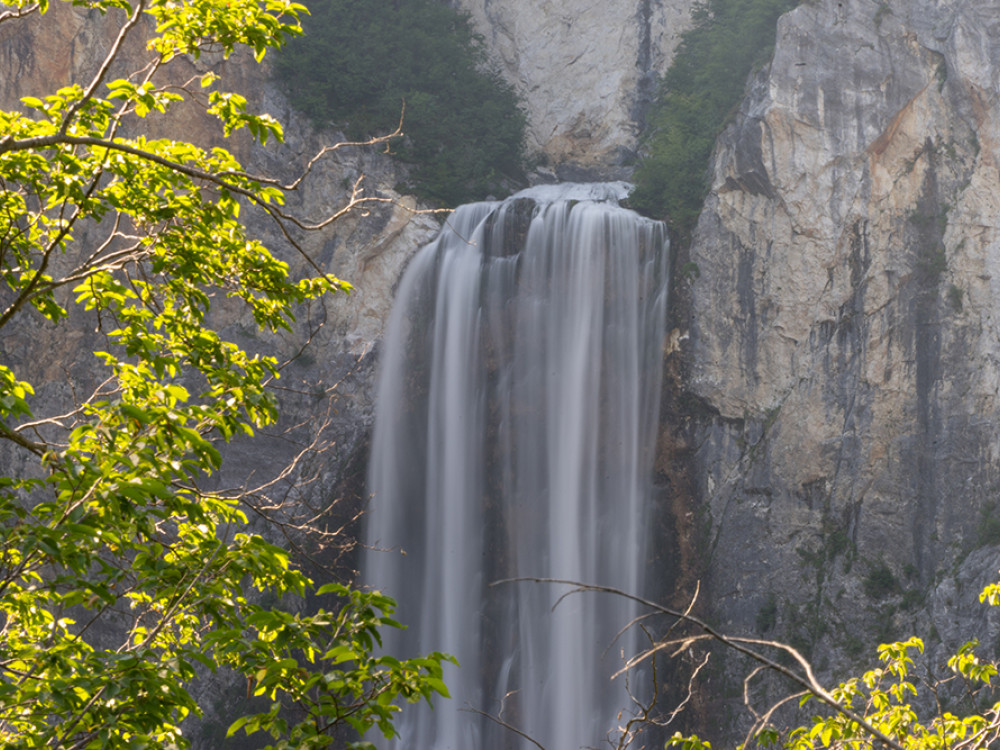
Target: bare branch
point(11, 15)
point(742, 645)
point(56, 139)
point(39, 449)
point(761, 721)
point(294, 185)
point(690, 689)
point(651, 652)
point(58, 420)
point(506, 725)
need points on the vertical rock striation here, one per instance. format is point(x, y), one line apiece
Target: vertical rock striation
point(843, 327)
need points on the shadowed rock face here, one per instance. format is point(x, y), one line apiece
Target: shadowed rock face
point(843, 324)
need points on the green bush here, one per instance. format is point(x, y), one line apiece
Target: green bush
point(988, 529)
point(880, 582)
point(697, 97)
point(360, 60)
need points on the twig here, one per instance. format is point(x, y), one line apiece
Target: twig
point(742, 645)
point(506, 725)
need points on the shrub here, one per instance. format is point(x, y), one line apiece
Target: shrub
point(880, 582)
point(697, 97)
point(360, 60)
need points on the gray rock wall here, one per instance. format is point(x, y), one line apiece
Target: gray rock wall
point(843, 331)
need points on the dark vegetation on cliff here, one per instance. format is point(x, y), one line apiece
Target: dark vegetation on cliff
point(360, 60)
point(698, 96)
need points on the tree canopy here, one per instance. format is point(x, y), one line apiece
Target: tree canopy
point(122, 576)
point(359, 61)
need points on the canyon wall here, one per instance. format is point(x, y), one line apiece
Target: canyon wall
point(839, 347)
point(828, 448)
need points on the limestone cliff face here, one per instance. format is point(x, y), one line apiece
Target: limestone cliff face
point(586, 71)
point(844, 329)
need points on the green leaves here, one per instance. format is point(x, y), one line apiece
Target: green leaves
point(897, 714)
point(688, 743)
point(966, 663)
point(144, 98)
point(232, 110)
point(187, 28)
point(13, 395)
point(122, 578)
point(354, 687)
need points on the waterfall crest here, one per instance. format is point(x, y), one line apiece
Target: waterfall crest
point(515, 426)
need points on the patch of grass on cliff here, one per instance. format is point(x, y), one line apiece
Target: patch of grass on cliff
point(359, 60)
point(698, 96)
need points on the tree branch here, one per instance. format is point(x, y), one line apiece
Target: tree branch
point(742, 645)
point(11, 15)
point(105, 66)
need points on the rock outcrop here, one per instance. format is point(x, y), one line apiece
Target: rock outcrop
point(843, 360)
point(586, 70)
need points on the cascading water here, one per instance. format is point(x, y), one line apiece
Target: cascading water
point(515, 428)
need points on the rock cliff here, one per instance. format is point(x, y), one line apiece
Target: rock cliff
point(586, 70)
point(842, 373)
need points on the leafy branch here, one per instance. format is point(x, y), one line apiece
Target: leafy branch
point(125, 576)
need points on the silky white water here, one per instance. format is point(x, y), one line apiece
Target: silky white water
point(515, 426)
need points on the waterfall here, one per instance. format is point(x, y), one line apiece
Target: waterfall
point(515, 425)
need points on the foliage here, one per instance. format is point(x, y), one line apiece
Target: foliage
point(767, 615)
point(988, 528)
point(360, 60)
point(697, 98)
point(955, 296)
point(121, 577)
point(890, 707)
point(887, 697)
